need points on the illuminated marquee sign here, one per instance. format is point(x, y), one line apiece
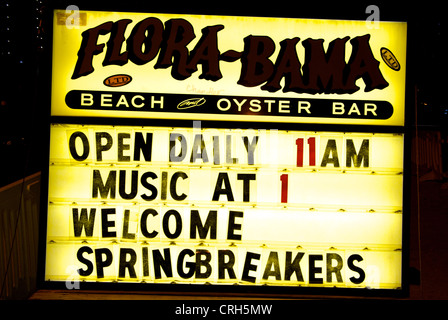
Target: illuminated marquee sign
point(229, 68)
point(164, 204)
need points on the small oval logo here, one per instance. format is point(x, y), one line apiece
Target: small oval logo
point(117, 80)
point(390, 59)
point(191, 103)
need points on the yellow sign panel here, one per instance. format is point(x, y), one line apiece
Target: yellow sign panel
point(196, 67)
point(224, 206)
point(159, 204)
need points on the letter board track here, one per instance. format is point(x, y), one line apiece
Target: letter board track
point(274, 206)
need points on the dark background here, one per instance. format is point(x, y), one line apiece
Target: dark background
point(25, 70)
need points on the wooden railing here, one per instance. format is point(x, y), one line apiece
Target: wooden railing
point(19, 227)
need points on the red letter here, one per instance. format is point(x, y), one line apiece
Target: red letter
point(284, 194)
point(312, 145)
point(299, 143)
